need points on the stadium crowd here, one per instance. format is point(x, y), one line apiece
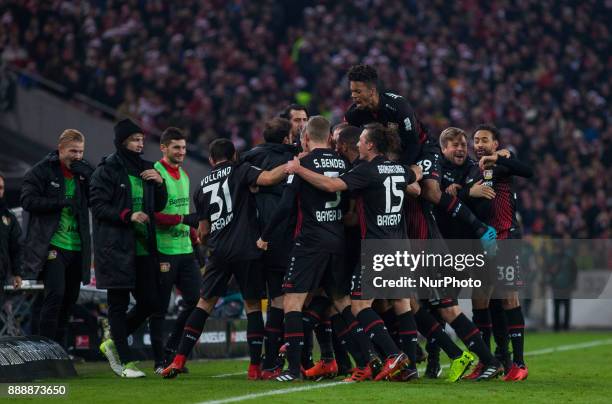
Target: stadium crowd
point(538, 69)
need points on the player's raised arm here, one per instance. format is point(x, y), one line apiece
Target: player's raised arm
point(322, 182)
point(515, 166)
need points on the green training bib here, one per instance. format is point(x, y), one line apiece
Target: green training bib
point(67, 235)
point(174, 240)
point(140, 230)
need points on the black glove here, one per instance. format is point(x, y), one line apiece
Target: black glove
point(191, 220)
point(82, 168)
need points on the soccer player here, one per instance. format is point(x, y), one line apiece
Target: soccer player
point(226, 209)
point(126, 191)
point(298, 116)
point(442, 303)
point(57, 247)
point(276, 151)
point(497, 171)
point(333, 139)
point(456, 165)
point(318, 246)
point(346, 143)
point(345, 139)
point(392, 110)
point(380, 212)
point(177, 263)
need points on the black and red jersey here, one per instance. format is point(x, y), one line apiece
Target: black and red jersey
point(451, 227)
point(319, 214)
point(394, 111)
point(499, 212)
point(225, 201)
point(379, 190)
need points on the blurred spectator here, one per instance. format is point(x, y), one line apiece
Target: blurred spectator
point(563, 275)
point(538, 69)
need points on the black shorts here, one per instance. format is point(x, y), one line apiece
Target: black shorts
point(356, 283)
point(506, 272)
point(182, 271)
point(310, 270)
point(274, 282)
point(248, 275)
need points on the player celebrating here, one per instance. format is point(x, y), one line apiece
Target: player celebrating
point(456, 165)
point(225, 207)
point(276, 151)
point(394, 111)
point(497, 172)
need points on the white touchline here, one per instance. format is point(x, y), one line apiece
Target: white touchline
point(230, 374)
point(290, 390)
point(275, 392)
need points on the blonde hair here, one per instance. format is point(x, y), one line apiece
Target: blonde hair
point(317, 128)
point(71, 135)
point(449, 134)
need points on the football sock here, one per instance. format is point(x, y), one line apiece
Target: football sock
point(274, 336)
point(407, 333)
point(294, 336)
point(434, 332)
point(255, 336)
point(375, 328)
point(482, 320)
point(470, 335)
point(192, 331)
point(516, 333)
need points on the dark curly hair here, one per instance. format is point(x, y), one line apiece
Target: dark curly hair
point(364, 73)
point(490, 128)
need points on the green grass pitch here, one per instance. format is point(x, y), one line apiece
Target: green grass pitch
point(563, 368)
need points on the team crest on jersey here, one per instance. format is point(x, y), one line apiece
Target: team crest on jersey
point(487, 174)
point(164, 267)
point(52, 255)
point(6, 220)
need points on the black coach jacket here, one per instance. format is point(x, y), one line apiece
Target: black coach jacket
point(42, 195)
point(113, 233)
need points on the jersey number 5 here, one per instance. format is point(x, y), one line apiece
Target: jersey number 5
point(336, 202)
point(217, 200)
